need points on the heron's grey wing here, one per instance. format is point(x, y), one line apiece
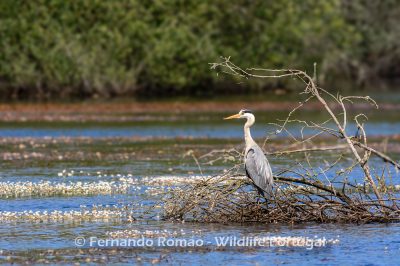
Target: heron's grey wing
point(258, 169)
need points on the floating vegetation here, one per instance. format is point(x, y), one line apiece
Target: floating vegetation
point(248, 240)
point(96, 213)
point(169, 180)
point(47, 188)
point(75, 256)
point(124, 184)
point(133, 233)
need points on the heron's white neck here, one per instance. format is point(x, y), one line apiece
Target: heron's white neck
point(247, 135)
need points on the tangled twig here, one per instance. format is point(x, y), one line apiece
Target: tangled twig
point(306, 191)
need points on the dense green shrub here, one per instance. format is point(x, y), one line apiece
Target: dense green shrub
point(82, 48)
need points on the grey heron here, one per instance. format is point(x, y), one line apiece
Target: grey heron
point(255, 162)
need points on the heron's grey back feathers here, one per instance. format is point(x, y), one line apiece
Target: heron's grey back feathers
point(258, 169)
point(256, 164)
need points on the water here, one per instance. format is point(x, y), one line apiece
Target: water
point(151, 150)
point(209, 127)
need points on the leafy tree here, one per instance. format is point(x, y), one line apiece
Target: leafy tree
point(107, 48)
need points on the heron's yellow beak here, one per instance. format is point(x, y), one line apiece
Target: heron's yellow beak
point(232, 117)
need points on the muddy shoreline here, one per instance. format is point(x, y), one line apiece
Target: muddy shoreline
point(129, 111)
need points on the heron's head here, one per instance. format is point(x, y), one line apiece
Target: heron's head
point(244, 113)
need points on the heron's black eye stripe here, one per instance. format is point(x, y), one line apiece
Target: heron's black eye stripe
point(246, 112)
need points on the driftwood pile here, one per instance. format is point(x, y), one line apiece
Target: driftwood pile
point(346, 188)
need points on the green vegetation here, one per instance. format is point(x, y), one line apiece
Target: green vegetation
point(58, 49)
